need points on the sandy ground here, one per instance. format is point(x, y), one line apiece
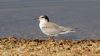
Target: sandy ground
point(24, 47)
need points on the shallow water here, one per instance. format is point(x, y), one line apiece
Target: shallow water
point(16, 17)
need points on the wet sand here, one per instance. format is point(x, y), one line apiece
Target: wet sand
point(11, 46)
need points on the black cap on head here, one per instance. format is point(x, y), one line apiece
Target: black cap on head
point(46, 17)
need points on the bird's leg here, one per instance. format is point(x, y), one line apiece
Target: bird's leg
point(51, 38)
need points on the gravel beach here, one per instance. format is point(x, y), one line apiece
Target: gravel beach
point(11, 46)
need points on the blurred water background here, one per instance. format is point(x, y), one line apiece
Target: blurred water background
point(16, 17)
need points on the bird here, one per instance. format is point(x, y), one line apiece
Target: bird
point(52, 29)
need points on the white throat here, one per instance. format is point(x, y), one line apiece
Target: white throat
point(42, 21)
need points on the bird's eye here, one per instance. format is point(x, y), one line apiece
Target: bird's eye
point(42, 17)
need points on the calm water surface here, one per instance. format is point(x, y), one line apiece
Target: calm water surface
point(16, 17)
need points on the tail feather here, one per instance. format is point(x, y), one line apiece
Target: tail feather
point(67, 30)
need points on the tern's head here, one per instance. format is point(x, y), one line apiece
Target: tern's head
point(43, 18)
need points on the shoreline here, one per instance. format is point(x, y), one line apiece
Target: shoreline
point(27, 47)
